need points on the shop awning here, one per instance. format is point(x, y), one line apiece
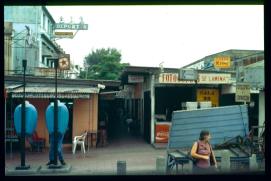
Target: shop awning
point(49, 92)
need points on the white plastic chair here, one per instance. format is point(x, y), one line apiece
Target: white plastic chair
point(79, 140)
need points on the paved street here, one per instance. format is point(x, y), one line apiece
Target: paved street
point(140, 157)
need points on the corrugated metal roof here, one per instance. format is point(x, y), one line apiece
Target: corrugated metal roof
point(222, 122)
point(49, 92)
point(51, 89)
point(10, 87)
point(257, 64)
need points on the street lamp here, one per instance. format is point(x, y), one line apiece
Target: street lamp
point(55, 135)
point(23, 166)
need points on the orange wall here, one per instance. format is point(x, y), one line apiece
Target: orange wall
point(85, 115)
point(41, 106)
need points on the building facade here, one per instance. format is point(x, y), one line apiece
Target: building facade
point(206, 63)
point(32, 38)
point(80, 96)
point(8, 63)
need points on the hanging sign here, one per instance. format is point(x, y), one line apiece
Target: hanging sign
point(64, 62)
point(242, 93)
point(63, 34)
point(71, 26)
point(135, 79)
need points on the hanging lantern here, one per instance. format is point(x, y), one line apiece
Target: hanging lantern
point(63, 118)
point(31, 117)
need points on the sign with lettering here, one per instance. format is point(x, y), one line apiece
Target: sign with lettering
point(48, 72)
point(212, 78)
point(63, 34)
point(208, 95)
point(222, 62)
point(70, 26)
point(203, 78)
point(242, 93)
point(135, 79)
point(173, 78)
point(188, 74)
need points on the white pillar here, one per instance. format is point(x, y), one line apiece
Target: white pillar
point(225, 161)
point(261, 110)
point(152, 109)
point(161, 165)
point(253, 163)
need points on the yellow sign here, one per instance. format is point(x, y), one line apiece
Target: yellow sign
point(222, 62)
point(208, 95)
point(63, 34)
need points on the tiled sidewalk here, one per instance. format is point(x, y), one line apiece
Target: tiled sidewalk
point(140, 157)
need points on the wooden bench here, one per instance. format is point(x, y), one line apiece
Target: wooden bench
point(175, 158)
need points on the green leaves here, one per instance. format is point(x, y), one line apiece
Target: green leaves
point(103, 64)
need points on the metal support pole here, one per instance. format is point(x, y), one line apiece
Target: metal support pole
point(55, 116)
point(195, 92)
point(5, 123)
point(23, 166)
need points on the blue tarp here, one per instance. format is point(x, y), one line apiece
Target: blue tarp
point(223, 123)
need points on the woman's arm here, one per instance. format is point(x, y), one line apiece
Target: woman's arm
point(213, 156)
point(194, 153)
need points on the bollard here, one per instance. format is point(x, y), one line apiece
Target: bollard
point(225, 161)
point(160, 165)
point(121, 167)
point(253, 166)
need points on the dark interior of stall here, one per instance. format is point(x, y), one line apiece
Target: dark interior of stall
point(253, 107)
point(114, 110)
point(147, 117)
point(169, 99)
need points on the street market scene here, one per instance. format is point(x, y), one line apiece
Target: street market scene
point(133, 90)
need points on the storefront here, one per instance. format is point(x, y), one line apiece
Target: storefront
point(82, 106)
point(80, 99)
point(170, 94)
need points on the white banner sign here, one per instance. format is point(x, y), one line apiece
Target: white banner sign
point(205, 78)
point(172, 78)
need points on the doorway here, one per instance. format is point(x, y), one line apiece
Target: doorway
point(147, 116)
point(68, 134)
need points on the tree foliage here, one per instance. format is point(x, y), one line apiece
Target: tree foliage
point(103, 64)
